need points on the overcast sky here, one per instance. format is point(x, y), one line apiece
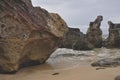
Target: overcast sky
point(79, 13)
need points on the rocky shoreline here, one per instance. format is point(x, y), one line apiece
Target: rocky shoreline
point(29, 35)
point(93, 38)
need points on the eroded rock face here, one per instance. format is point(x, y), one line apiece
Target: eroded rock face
point(76, 40)
point(107, 62)
point(28, 35)
point(113, 40)
point(71, 37)
point(94, 33)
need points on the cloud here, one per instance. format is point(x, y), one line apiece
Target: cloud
point(81, 12)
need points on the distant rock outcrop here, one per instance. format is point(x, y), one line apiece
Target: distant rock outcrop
point(76, 40)
point(28, 35)
point(94, 33)
point(71, 37)
point(113, 40)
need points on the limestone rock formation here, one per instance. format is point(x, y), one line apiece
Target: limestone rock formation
point(76, 40)
point(28, 35)
point(94, 33)
point(117, 78)
point(71, 37)
point(82, 44)
point(113, 40)
point(107, 62)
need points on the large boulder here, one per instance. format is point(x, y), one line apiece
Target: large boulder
point(76, 40)
point(113, 40)
point(28, 35)
point(94, 33)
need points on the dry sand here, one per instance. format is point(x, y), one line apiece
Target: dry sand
point(69, 67)
point(76, 72)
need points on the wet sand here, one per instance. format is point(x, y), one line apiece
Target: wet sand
point(69, 67)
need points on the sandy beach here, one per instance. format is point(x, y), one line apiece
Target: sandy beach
point(59, 40)
point(66, 64)
point(46, 72)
